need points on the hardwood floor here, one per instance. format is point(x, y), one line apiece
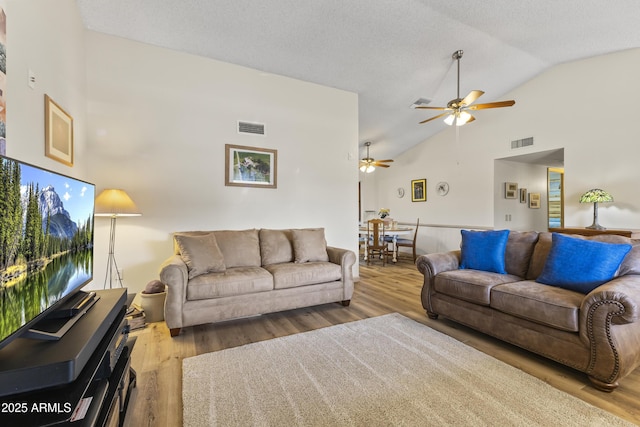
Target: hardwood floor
point(157, 358)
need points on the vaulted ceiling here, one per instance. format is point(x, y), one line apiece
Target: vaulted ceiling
point(389, 52)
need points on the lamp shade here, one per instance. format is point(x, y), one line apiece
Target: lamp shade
point(596, 195)
point(114, 202)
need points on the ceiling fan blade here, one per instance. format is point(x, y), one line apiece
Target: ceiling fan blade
point(388, 160)
point(498, 104)
point(432, 108)
point(471, 119)
point(381, 165)
point(433, 118)
point(473, 95)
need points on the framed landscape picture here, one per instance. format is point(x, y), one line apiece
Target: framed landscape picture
point(419, 190)
point(250, 166)
point(58, 137)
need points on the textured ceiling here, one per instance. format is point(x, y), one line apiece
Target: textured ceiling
point(390, 52)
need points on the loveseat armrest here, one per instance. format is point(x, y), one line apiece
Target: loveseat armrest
point(431, 265)
point(610, 326)
point(174, 274)
point(345, 259)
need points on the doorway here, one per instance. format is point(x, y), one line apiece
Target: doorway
point(530, 172)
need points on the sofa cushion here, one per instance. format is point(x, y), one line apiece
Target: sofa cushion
point(631, 262)
point(291, 275)
point(471, 285)
point(200, 253)
point(581, 265)
point(539, 257)
point(547, 305)
point(517, 256)
point(309, 245)
point(276, 246)
point(233, 281)
point(484, 250)
point(241, 248)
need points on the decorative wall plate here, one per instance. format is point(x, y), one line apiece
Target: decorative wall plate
point(442, 188)
point(400, 192)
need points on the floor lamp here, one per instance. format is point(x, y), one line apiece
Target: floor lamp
point(114, 203)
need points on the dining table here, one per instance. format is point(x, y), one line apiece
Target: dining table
point(392, 232)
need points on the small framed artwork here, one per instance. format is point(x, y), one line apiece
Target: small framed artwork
point(58, 137)
point(250, 166)
point(523, 195)
point(510, 190)
point(534, 200)
point(419, 190)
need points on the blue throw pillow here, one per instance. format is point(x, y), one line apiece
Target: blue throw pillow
point(484, 250)
point(581, 265)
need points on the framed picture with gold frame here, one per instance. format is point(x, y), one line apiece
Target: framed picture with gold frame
point(58, 128)
point(419, 190)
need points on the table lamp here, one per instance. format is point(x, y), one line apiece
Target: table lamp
point(114, 203)
point(596, 196)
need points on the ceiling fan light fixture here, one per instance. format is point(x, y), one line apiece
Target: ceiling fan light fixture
point(449, 119)
point(462, 118)
point(367, 168)
point(458, 106)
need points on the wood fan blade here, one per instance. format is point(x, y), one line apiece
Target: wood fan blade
point(473, 95)
point(388, 160)
point(470, 119)
point(433, 118)
point(381, 165)
point(498, 104)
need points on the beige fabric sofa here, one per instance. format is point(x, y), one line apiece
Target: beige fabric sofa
point(597, 333)
point(228, 274)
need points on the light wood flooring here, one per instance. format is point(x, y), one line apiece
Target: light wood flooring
point(157, 358)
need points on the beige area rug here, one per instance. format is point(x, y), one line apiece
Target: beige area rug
point(383, 371)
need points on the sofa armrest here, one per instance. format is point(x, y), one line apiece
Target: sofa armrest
point(174, 274)
point(431, 265)
point(610, 326)
point(346, 260)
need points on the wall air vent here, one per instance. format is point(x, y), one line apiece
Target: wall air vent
point(252, 128)
point(519, 143)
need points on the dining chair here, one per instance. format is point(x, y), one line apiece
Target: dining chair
point(376, 246)
point(410, 243)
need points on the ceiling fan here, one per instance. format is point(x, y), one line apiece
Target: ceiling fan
point(456, 109)
point(368, 164)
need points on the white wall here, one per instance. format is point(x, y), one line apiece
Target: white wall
point(576, 106)
point(158, 122)
point(48, 38)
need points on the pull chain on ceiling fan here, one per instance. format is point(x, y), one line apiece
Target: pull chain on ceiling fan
point(456, 109)
point(368, 164)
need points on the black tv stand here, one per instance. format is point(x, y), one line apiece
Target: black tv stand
point(55, 325)
point(83, 379)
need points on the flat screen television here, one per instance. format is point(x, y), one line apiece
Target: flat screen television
point(46, 243)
